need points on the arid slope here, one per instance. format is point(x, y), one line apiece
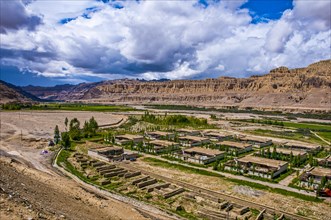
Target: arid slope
point(11, 93)
point(282, 88)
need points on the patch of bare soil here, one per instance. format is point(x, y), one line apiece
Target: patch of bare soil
point(26, 133)
point(29, 194)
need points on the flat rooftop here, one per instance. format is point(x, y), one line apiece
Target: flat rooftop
point(129, 136)
point(187, 130)
point(162, 133)
point(105, 149)
point(321, 171)
point(162, 143)
point(193, 138)
point(255, 139)
point(301, 144)
point(262, 161)
point(204, 151)
point(235, 144)
point(288, 151)
point(217, 134)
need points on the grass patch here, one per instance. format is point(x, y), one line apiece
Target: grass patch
point(62, 161)
point(325, 134)
point(255, 212)
point(297, 195)
point(284, 175)
point(322, 154)
point(311, 138)
point(324, 130)
point(313, 127)
point(164, 164)
point(186, 215)
point(181, 161)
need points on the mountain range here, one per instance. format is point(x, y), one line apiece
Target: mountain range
point(12, 93)
point(306, 89)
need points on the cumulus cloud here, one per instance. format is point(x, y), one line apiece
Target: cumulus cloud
point(13, 16)
point(313, 14)
point(150, 39)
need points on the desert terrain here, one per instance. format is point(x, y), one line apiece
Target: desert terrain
point(27, 133)
point(30, 188)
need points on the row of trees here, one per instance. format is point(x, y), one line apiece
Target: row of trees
point(268, 122)
point(173, 120)
point(109, 138)
point(295, 161)
point(63, 139)
point(75, 132)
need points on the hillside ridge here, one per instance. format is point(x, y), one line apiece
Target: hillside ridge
point(10, 93)
point(308, 87)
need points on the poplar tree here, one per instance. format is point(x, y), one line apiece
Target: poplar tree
point(56, 135)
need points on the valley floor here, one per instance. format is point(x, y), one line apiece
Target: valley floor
point(31, 188)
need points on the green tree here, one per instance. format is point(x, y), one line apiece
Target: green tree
point(66, 123)
point(66, 143)
point(93, 126)
point(74, 129)
point(268, 153)
point(140, 147)
point(274, 153)
point(216, 164)
point(86, 129)
point(56, 135)
point(323, 181)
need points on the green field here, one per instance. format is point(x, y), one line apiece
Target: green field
point(68, 107)
point(325, 134)
point(313, 127)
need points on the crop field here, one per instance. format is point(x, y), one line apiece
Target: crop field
point(69, 107)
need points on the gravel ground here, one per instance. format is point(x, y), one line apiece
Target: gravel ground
point(29, 194)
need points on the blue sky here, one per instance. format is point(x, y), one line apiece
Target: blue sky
point(262, 10)
point(50, 42)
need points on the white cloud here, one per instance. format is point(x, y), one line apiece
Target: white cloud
point(313, 14)
point(153, 39)
point(53, 11)
point(22, 17)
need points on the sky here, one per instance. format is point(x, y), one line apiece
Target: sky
point(49, 42)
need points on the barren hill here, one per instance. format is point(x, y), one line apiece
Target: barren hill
point(282, 88)
point(11, 93)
